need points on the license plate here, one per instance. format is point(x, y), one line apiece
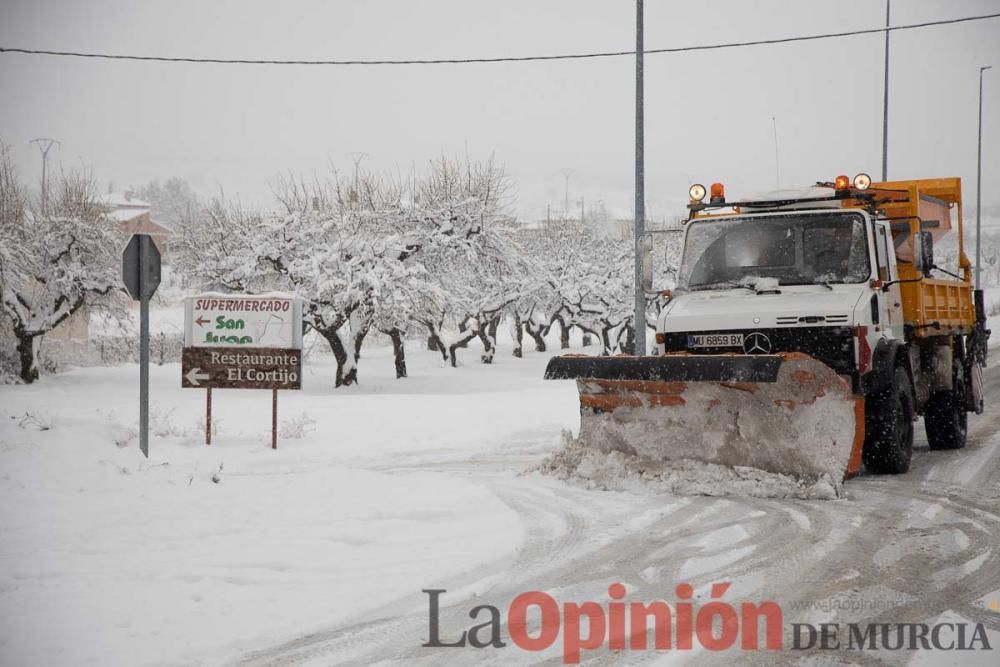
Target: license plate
point(716, 340)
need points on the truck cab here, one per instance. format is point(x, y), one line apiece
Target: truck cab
point(785, 281)
point(841, 272)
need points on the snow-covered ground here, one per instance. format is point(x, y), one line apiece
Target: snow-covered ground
point(107, 558)
point(317, 553)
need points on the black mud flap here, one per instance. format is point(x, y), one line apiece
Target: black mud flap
point(686, 368)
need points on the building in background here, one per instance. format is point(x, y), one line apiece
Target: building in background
point(134, 217)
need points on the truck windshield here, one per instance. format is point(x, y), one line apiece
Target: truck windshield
point(784, 250)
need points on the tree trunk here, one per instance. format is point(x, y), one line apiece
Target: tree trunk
point(347, 369)
point(398, 352)
point(518, 335)
point(359, 338)
point(537, 332)
point(461, 342)
point(563, 334)
point(606, 342)
point(361, 323)
point(28, 354)
point(587, 341)
point(629, 346)
point(163, 347)
point(434, 341)
point(488, 334)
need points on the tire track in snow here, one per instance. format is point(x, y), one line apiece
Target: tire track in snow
point(870, 548)
point(913, 514)
point(559, 528)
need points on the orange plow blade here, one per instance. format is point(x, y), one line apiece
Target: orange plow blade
point(792, 414)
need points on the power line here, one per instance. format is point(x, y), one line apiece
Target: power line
point(462, 61)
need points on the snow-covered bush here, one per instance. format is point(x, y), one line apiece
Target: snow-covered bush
point(58, 353)
point(35, 420)
point(297, 427)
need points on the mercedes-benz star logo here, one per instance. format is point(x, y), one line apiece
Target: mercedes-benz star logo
point(757, 343)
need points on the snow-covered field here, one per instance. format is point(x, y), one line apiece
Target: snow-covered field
point(107, 558)
point(317, 553)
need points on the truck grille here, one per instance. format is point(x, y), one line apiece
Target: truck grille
point(790, 320)
point(834, 346)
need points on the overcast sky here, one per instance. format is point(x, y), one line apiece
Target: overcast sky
point(708, 113)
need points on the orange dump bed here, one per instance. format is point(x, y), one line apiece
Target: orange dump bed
point(932, 306)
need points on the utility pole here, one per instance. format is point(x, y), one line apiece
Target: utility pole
point(566, 173)
point(45, 145)
point(639, 320)
point(979, 178)
point(357, 157)
point(885, 101)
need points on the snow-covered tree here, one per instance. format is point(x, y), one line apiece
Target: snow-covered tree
point(173, 202)
point(439, 250)
point(53, 264)
point(472, 256)
point(357, 251)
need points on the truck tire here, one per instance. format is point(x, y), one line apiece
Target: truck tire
point(889, 427)
point(946, 420)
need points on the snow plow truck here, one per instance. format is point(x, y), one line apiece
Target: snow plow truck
point(807, 332)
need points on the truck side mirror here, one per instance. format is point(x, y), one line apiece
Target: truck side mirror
point(646, 259)
point(926, 254)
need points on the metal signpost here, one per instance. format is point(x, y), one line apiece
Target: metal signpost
point(242, 342)
point(141, 275)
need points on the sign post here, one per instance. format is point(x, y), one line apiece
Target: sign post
point(208, 416)
point(141, 275)
point(274, 419)
point(242, 342)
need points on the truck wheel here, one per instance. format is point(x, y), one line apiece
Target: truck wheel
point(889, 428)
point(945, 418)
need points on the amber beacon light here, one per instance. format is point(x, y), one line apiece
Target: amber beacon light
point(718, 193)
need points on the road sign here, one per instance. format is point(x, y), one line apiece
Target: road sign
point(141, 264)
point(252, 321)
point(235, 341)
point(141, 275)
point(241, 368)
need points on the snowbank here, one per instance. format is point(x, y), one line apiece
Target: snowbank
point(615, 471)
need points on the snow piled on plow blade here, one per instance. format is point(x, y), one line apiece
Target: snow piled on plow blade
point(805, 427)
point(616, 471)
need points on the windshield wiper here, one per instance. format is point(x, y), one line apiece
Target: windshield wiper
point(724, 283)
point(735, 283)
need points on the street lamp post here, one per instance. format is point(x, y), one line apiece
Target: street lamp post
point(566, 172)
point(885, 101)
point(639, 348)
point(979, 179)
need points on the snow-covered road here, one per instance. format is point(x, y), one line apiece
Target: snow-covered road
point(917, 548)
point(318, 553)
